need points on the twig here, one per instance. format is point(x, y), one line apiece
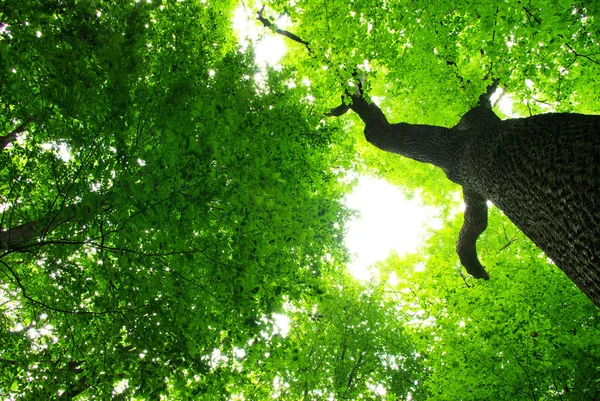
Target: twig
point(562, 36)
point(287, 34)
point(532, 16)
point(338, 111)
point(581, 55)
point(510, 241)
point(52, 308)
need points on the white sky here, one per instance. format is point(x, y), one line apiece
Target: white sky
point(269, 48)
point(388, 221)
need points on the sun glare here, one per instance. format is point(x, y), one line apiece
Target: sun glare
point(268, 47)
point(387, 222)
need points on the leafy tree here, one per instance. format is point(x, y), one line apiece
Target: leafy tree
point(163, 205)
point(542, 171)
point(349, 343)
point(157, 198)
point(528, 333)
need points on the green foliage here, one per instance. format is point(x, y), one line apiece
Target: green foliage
point(164, 204)
point(349, 343)
point(428, 62)
point(527, 333)
point(191, 201)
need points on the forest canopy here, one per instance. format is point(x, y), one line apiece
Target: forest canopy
point(172, 215)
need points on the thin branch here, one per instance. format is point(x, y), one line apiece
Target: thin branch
point(52, 308)
point(354, 371)
point(581, 55)
point(529, 13)
point(509, 243)
point(96, 143)
point(338, 111)
point(531, 386)
point(282, 32)
point(516, 390)
point(532, 16)
point(14, 192)
point(556, 386)
point(590, 382)
point(463, 276)
point(541, 101)
point(194, 283)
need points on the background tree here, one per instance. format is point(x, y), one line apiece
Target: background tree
point(158, 200)
point(349, 343)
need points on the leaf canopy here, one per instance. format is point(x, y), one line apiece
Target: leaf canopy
point(166, 205)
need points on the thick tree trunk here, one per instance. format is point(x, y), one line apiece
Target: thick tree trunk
point(543, 172)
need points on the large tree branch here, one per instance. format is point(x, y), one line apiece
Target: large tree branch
point(425, 143)
point(474, 224)
point(435, 145)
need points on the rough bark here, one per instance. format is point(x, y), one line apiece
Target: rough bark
point(543, 172)
point(475, 223)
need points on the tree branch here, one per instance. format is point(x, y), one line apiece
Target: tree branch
point(12, 136)
point(52, 308)
point(475, 223)
point(282, 32)
point(21, 237)
point(529, 13)
point(581, 55)
point(342, 108)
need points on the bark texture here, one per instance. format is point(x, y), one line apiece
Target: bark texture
point(543, 172)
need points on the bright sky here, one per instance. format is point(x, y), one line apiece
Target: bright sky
point(388, 221)
point(269, 48)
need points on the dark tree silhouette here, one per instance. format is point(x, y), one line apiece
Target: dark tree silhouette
point(543, 172)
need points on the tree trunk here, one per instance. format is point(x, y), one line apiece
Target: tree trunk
point(543, 172)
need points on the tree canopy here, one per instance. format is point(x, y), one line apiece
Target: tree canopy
point(172, 216)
